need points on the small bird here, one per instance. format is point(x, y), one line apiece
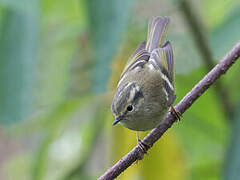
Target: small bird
point(145, 91)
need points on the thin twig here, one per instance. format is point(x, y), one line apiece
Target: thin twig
point(182, 106)
point(207, 56)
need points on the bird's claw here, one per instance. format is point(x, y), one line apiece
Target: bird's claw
point(177, 114)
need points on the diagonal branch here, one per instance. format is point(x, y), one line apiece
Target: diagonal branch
point(204, 49)
point(182, 106)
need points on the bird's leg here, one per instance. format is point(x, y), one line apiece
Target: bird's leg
point(178, 115)
point(144, 147)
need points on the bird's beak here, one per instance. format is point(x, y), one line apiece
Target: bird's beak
point(117, 119)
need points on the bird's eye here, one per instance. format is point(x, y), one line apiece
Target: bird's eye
point(130, 108)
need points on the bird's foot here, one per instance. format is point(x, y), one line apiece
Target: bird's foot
point(177, 114)
point(143, 147)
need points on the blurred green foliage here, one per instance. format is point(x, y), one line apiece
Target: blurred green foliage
point(18, 36)
point(53, 53)
point(105, 36)
point(233, 159)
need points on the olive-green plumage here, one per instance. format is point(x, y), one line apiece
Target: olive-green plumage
point(146, 90)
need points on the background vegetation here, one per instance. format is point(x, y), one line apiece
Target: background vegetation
point(60, 63)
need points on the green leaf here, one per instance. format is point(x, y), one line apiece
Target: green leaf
point(203, 129)
point(55, 120)
point(107, 21)
point(90, 133)
point(182, 41)
point(224, 36)
point(216, 12)
point(20, 164)
point(61, 27)
point(18, 42)
point(232, 161)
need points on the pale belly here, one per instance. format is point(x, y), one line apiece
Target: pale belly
point(144, 124)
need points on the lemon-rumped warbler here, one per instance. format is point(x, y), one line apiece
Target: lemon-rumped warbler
point(145, 91)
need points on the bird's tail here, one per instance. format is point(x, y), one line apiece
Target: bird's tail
point(157, 28)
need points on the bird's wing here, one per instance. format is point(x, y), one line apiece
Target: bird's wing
point(139, 48)
point(138, 59)
point(162, 59)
